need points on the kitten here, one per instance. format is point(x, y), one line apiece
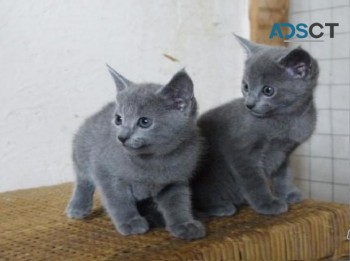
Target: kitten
point(250, 139)
point(144, 145)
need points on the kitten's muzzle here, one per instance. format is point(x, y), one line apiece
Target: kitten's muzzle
point(133, 144)
point(122, 138)
point(250, 105)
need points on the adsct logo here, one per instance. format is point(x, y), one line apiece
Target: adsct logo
point(302, 32)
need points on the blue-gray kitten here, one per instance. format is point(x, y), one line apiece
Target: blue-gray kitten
point(250, 139)
point(144, 145)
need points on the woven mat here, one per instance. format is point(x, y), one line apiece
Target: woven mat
point(33, 227)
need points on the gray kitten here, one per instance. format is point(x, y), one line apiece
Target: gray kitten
point(250, 139)
point(144, 145)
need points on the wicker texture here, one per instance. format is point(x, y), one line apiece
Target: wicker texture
point(33, 227)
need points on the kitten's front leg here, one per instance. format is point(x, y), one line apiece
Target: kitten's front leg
point(80, 203)
point(256, 191)
point(283, 186)
point(175, 204)
point(121, 206)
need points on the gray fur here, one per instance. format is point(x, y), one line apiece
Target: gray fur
point(128, 164)
point(248, 149)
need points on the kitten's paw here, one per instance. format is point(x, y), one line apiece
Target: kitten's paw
point(221, 210)
point(188, 230)
point(294, 196)
point(138, 225)
point(77, 212)
point(274, 207)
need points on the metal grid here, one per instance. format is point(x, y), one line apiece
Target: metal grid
point(322, 165)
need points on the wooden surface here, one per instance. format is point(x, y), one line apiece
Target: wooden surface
point(262, 15)
point(33, 227)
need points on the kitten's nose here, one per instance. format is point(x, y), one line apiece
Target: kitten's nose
point(122, 138)
point(250, 105)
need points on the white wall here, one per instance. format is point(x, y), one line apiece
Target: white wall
point(53, 75)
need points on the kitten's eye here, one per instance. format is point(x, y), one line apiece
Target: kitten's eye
point(245, 87)
point(118, 119)
point(268, 91)
point(144, 122)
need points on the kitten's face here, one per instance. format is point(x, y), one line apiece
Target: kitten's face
point(145, 125)
point(153, 119)
point(278, 81)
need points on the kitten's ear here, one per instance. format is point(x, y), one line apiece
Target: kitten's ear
point(120, 82)
point(248, 46)
point(178, 93)
point(297, 63)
